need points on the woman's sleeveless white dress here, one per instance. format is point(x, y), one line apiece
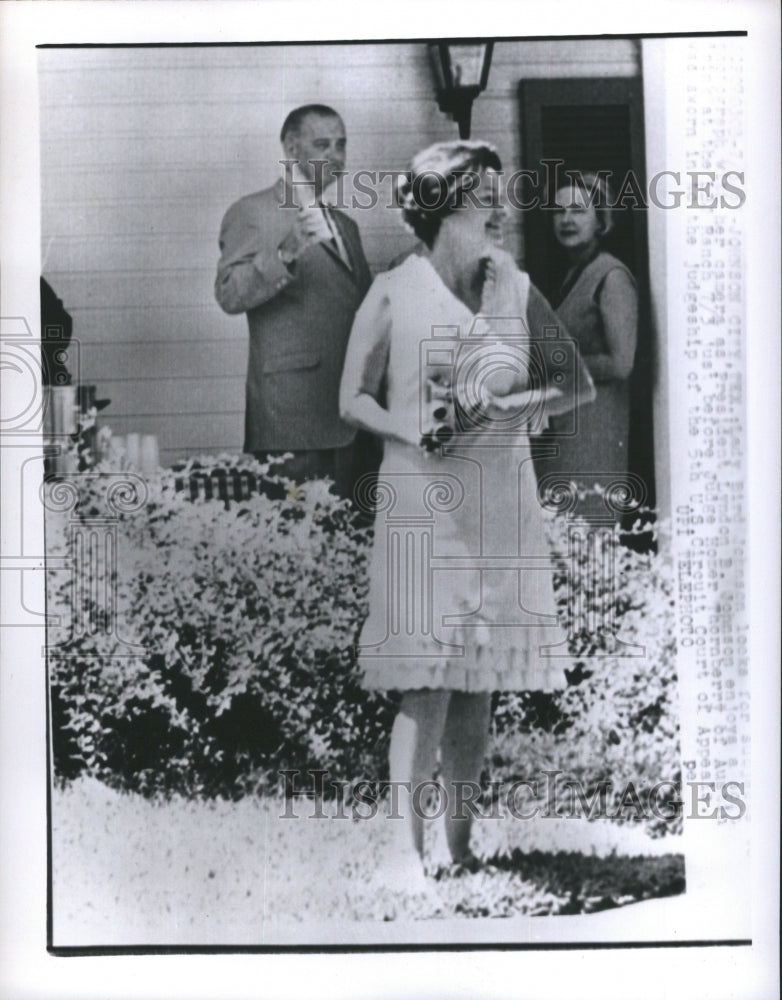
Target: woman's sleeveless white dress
point(461, 580)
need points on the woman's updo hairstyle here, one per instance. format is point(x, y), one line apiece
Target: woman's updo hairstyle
point(435, 184)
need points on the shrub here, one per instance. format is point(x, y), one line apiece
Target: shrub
point(617, 719)
point(248, 618)
point(245, 618)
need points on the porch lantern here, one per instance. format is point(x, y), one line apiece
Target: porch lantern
point(461, 71)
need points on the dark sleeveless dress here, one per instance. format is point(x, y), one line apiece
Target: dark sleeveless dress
point(599, 445)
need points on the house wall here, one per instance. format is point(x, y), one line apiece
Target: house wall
point(143, 150)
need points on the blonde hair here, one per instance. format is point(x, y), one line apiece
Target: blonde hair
point(437, 180)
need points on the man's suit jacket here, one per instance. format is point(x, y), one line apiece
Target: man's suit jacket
point(300, 319)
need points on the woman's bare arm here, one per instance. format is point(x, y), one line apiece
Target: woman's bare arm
point(618, 303)
point(365, 367)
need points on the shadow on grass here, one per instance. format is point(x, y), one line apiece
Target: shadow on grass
point(538, 883)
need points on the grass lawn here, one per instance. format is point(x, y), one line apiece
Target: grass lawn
point(125, 869)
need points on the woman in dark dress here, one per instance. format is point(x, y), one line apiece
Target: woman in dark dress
point(598, 305)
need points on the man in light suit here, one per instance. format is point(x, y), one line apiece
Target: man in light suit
point(297, 268)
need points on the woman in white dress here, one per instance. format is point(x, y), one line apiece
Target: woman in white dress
point(441, 366)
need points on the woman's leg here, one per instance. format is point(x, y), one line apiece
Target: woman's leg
point(463, 749)
point(415, 738)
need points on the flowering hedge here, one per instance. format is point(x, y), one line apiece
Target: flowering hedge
point(617, 720)
point(247, 616)
point(233, 654)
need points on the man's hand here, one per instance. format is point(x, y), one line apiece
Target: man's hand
point(310, 227)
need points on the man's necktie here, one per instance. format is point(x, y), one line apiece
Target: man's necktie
point(335, 236)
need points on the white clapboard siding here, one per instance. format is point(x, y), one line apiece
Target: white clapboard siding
point(144, 149)
point(188, 358)
point(182, 396)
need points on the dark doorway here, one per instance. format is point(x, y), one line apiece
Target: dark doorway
point(594, 124)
